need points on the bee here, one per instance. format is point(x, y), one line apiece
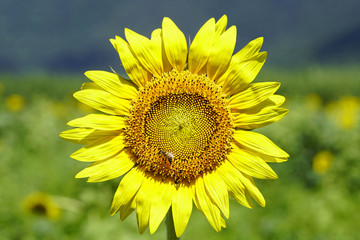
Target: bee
point(169, 155)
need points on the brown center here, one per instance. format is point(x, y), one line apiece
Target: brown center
point(180, 127)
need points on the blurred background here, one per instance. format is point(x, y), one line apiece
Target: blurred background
point(313, 50)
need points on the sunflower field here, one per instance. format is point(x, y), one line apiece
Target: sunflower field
point(315, 197)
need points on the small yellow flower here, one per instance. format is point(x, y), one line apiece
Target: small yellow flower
point(349, 108)
point(41, 204)
point(15, 103)
point(180, 130)
point(345, 112)
point(322, 162)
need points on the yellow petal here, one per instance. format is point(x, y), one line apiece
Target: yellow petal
point(143, 203)
point(157, 41)
point(205, 205)
point(250, 164)
point(100, 150)
point(277, 100)
point(250, 49)
point(247, 52)
point(147, 52)
point(86, 135)
point(131, 65)
point(126, 210)
point(252, 120)
point(271, 103)
point(258, 143)
point(236, 188)
point(91, 85)
point(217, 191)
point(252, 189)
point(267, 158)
point(76, 135)
point(200, 48)
point(161, 202)
point(222, 223)
point(220, 26)
point(113, 83)
point(221, 52)
point(127, 189)
point(174, 44)
point(181, 207)
point(253, 95)
point(103, 101)
point(99, 121)
point(108, 169)
point(243, 74)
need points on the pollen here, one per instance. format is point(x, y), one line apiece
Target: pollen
point(180, 127)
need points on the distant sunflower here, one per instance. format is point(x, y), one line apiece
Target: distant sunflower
point(15, 103)
point(41, 204)
point(180, 128)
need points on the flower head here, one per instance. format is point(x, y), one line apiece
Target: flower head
point(345, 112)
point(180, 129)
point(322, 162)
point(42, 204)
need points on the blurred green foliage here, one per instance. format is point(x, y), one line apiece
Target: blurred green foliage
point(306, 202)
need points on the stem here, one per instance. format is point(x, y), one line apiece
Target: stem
point(171, 235)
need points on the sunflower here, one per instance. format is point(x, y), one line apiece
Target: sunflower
point(42, 204)
point(180, 129)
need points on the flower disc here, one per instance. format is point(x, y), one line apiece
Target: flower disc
point(180, 126)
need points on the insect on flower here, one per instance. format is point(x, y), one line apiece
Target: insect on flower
point(169, 155)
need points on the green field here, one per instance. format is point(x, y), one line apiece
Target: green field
point(316, 196)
